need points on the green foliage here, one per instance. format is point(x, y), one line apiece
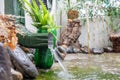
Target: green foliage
point(40, 15)
point(114, 13)
point(99, 8)
point(93, 73)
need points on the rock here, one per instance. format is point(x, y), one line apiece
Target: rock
point(108, 49)
point(114, 36)
point(22, 63)
point(59, 43)
point(72, 32)
point(26, 50)
point(116, 48)
point(77, 44)
point(60, 56)
point(16, 75)
point(69, 49)
point(115, 39)
point(84, 49)
point(97, 51)
point(76, 50)
point(5, 64)
point(31, 56)
point(69, 37)
point(72, 49)
point(60, 51)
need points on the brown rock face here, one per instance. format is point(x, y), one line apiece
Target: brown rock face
point(69, 39)
point(71, 34)
point(115, 39)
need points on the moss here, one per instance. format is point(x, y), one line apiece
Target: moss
point(108, 76)
point(50, 75)
point(93, 73)
point(80, 73)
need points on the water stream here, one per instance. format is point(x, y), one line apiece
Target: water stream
point(63, 74)
point(59, 60)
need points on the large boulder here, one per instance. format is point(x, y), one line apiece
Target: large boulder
point(22, 63)
point(5, 65)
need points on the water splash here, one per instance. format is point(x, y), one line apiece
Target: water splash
point(65, 75)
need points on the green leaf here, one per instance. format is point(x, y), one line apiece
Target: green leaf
point(36, 24)
point(35, 5)
point(29, 5)
point(43, 7)
point(40, 16)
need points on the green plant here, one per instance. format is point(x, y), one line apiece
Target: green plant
point(40, 15)
point(114, 14)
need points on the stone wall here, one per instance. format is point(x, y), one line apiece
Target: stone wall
point(99, 34)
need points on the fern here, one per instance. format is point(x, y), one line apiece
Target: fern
point(40, 16)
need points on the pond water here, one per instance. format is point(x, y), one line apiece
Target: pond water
point(85, 67)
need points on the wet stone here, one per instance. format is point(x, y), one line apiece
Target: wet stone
point(97, 51)
point(22, 63)
point(84, 49)
point(76, 50)
point(5, 64)
point(69, 49)
point(30, 56)
point(108, 49)
point(61, 52)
